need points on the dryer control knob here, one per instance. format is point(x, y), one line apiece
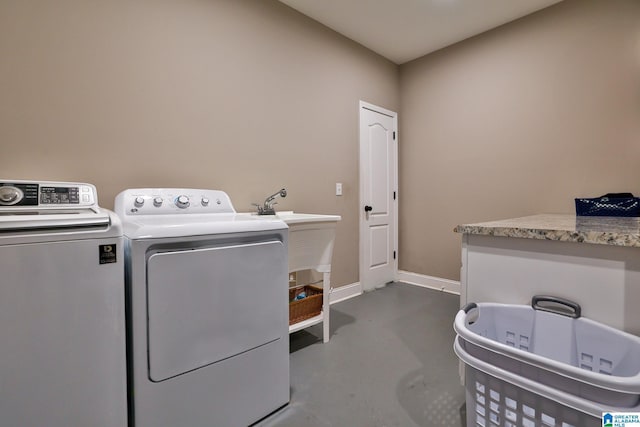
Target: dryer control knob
point(182, 202)
point(204, 201)
point(157, 202)
point(138, 202)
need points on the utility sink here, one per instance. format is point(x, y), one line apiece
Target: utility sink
point(311, 238)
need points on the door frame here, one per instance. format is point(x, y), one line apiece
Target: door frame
point(394, 184)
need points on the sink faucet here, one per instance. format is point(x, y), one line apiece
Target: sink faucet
point(267, 206)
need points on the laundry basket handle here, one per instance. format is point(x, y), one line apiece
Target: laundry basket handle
point(470, 306)
point(556, 305)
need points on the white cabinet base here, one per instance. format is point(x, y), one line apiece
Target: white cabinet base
point(603, 279)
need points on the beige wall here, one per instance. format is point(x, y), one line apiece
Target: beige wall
point(250, 96)
point(517, 121)
point(244, 96)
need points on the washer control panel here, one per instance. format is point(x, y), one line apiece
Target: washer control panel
point(168, 201)
point(46, 194)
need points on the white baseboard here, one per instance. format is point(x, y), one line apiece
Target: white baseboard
point(342, 293)
point(437, 283)
point(345, 292)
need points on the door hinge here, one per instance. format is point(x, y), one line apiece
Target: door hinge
point(394, 135)
point(394, 254)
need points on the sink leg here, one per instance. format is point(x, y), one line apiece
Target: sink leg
point(326, 288)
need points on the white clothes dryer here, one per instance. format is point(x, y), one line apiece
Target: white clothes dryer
point(207, 309)
point(62, 326)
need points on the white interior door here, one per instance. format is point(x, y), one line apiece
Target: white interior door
point(378, 196)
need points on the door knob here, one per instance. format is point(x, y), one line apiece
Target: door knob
point(368, 208)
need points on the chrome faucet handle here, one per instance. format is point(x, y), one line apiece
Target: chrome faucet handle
point(259, 207)
point(266, 210)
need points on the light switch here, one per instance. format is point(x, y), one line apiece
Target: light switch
point(338, 189)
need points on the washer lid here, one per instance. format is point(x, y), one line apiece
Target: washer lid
point(53, 220)
point(152, 227)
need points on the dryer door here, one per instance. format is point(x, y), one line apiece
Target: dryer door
point(206, 305)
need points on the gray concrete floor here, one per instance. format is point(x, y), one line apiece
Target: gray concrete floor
point(389, 362)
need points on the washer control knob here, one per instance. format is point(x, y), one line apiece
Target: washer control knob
point(182, 202)
point(157, 202)
point(205, 201)
point(10, 195)
point(138, 202)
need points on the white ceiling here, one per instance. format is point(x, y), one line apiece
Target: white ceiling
point(402, 30)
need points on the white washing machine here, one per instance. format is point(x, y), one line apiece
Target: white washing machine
point(207, 309)
point(62, 326)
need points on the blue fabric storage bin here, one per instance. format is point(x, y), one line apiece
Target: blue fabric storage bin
point(609, 206)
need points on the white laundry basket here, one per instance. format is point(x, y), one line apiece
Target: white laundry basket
point(544, 365)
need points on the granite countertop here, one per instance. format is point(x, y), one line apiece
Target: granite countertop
point(563, 227)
